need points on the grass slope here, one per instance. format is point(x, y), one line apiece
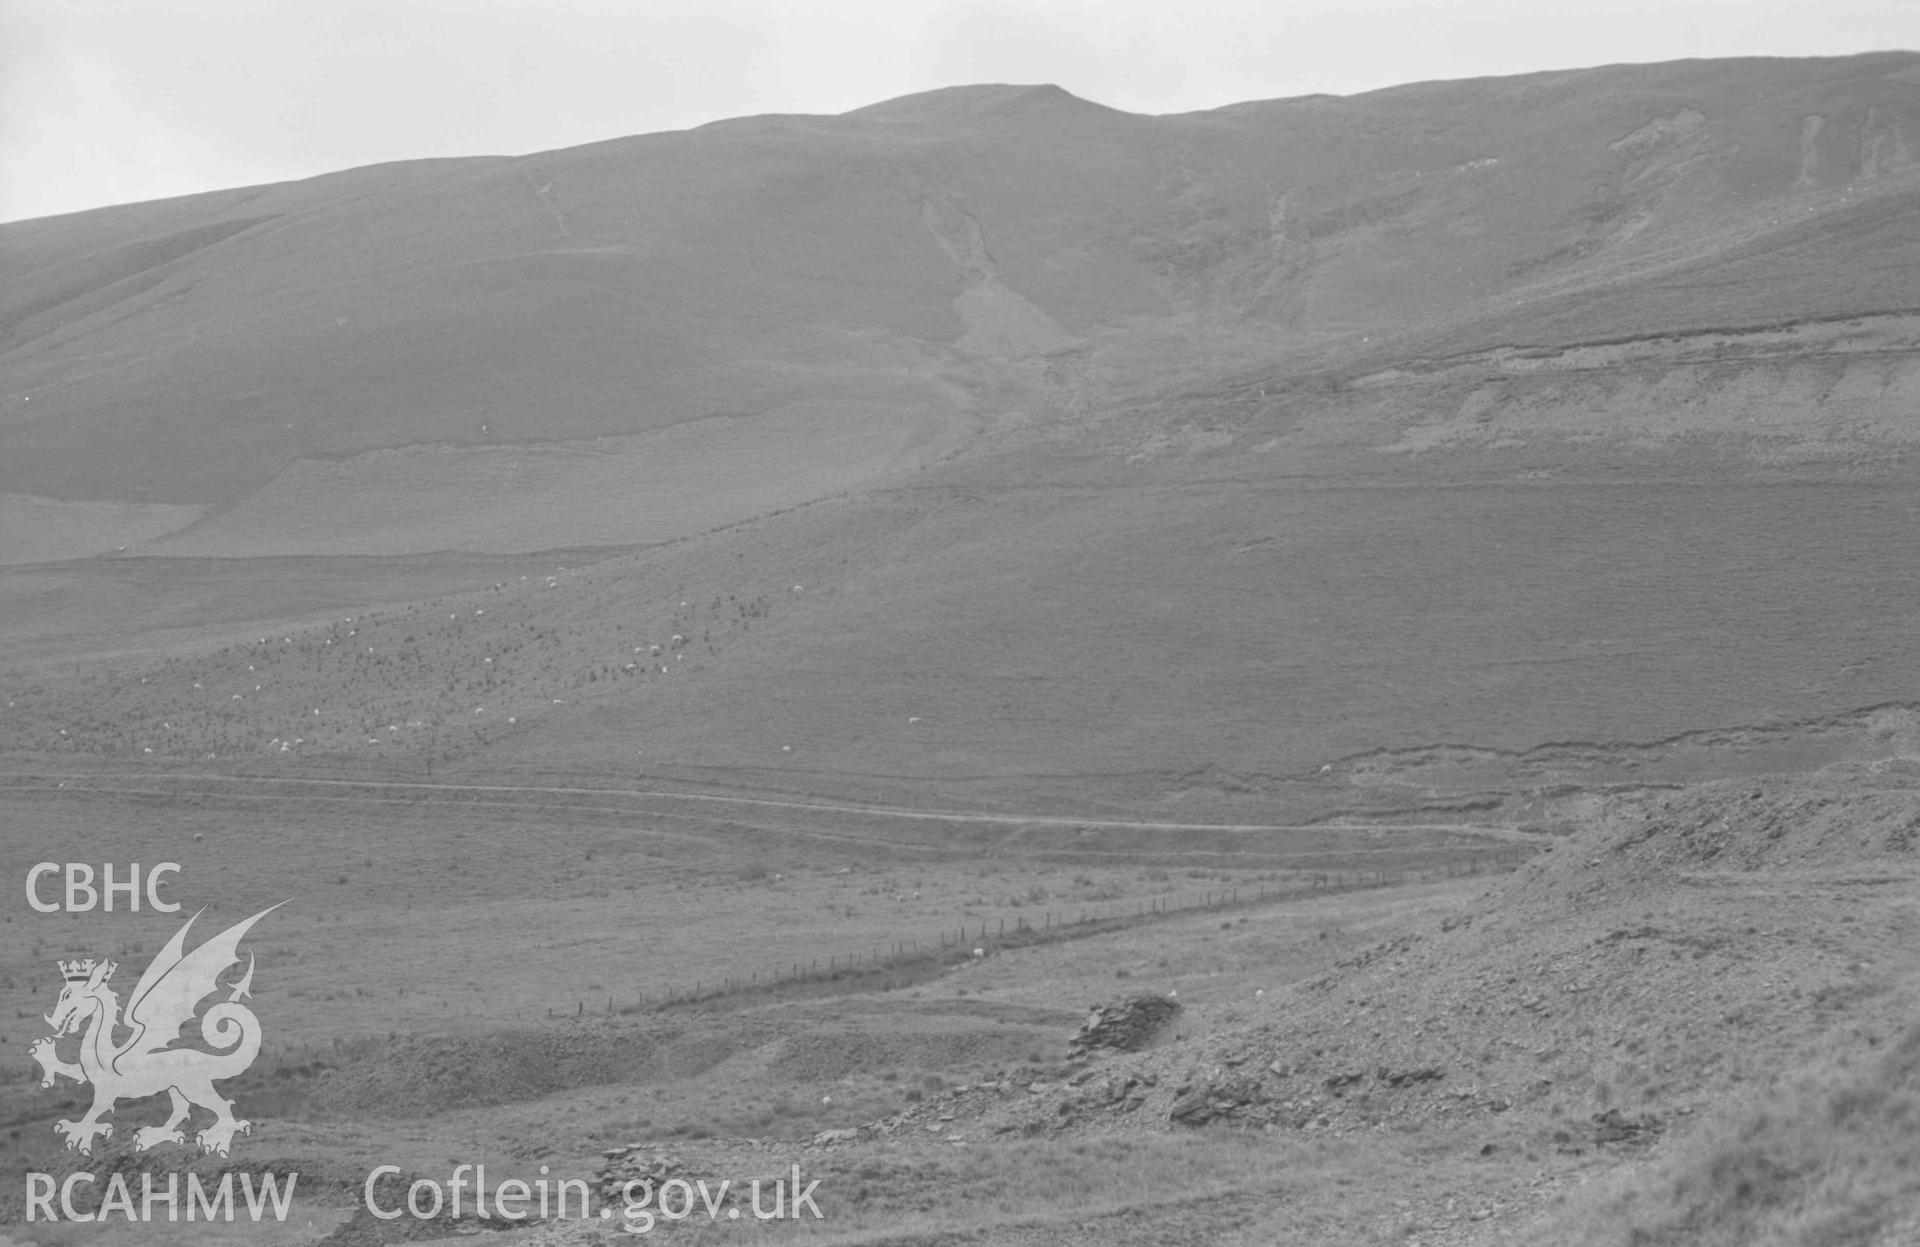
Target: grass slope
point(1106, 636)
point(908, 255)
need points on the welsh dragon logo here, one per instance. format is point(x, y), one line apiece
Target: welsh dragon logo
point(146, 1062)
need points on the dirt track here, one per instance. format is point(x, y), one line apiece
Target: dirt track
point(155, 785)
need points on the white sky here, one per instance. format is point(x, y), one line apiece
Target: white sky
point(111, 101)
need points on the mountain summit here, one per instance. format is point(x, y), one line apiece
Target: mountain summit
point(1168, 458)
point(914, 264)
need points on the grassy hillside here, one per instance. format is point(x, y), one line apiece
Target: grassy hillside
point(765, 563)
point(1099, 635)
point(897, 262)
point(995, 440)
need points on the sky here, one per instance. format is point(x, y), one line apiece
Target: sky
point(114, 101)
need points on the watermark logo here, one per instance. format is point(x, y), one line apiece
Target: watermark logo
point(146, 1063)
point(643, 1206)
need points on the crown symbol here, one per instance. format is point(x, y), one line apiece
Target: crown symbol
point(79, 971)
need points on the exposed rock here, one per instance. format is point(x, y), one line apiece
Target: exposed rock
point(1233, 1098)
point(1614, 1126)
point(1125, 1025)
point(628, 1164)
point(639, 1162)
point(1192, 1109)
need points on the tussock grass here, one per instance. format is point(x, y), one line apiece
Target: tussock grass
point(1831, 1158)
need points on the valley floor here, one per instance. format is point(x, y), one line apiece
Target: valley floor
point(1689, 1021)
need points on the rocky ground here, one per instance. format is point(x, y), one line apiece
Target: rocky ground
point(1574, 1025)
point(1691, 1016)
